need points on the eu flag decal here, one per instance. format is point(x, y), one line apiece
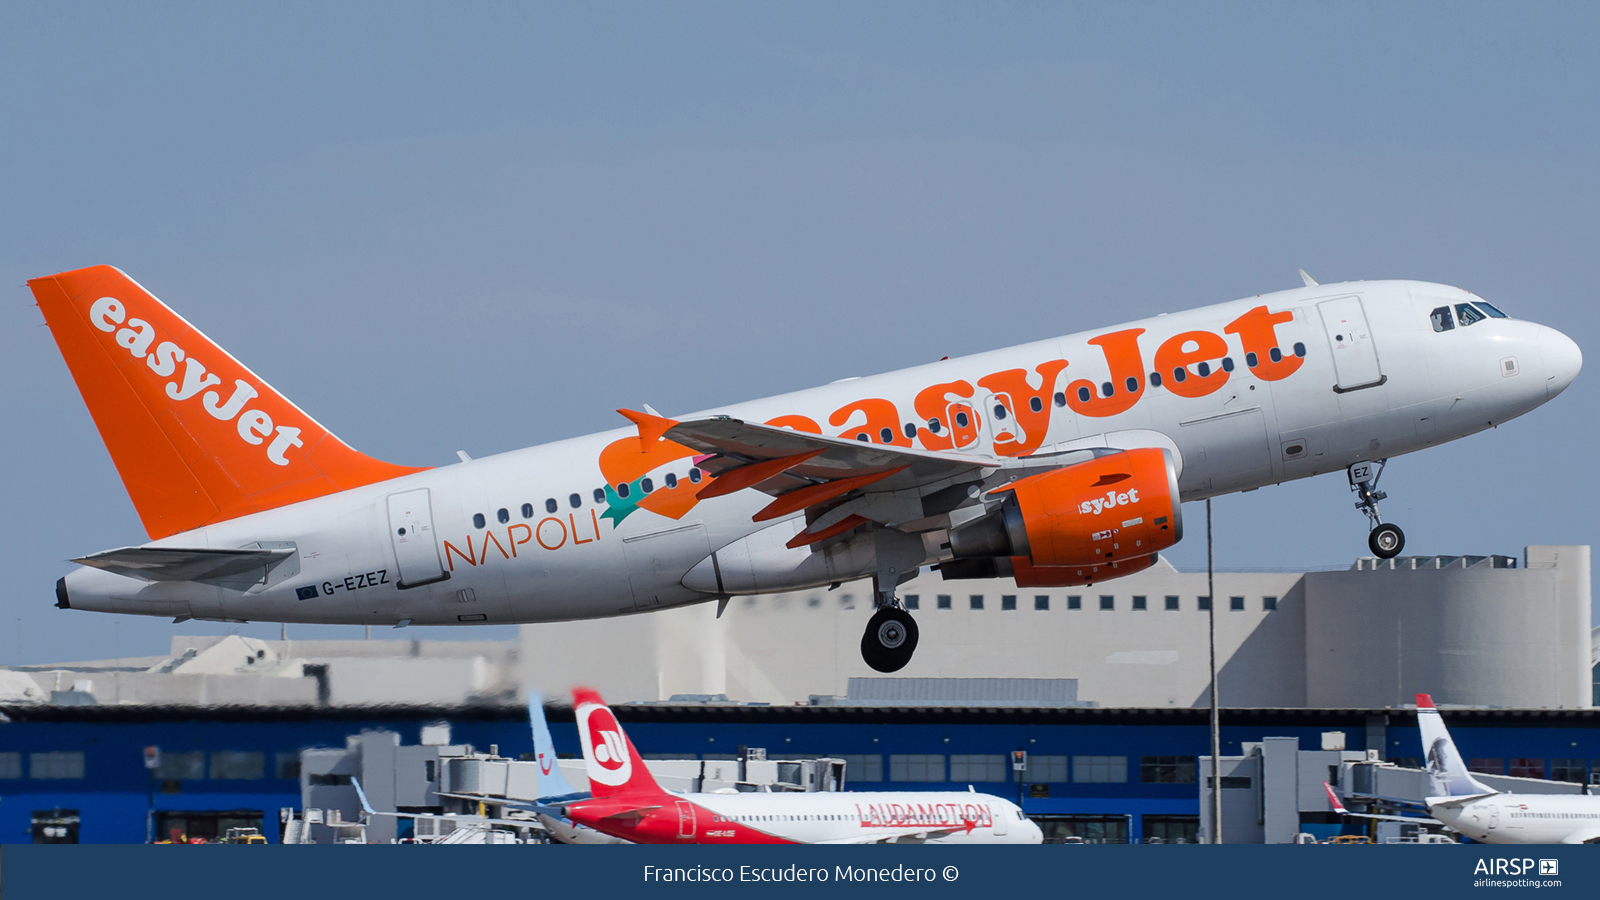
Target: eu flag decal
point(308, 592)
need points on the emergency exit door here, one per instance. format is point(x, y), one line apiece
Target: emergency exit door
point(416, 549)
point(1355, 356)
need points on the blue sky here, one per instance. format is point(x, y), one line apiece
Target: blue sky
point(483, 226)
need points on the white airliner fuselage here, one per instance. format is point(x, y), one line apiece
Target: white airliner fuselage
point(1239, 395)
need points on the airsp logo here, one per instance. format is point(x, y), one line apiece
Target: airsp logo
point(1549, 867)
point(605, 751)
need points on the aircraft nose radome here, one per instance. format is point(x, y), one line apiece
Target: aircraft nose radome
point(1562, 360)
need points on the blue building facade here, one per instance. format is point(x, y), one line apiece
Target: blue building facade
point(80, 772)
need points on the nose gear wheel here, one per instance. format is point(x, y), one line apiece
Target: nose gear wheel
point(1386, 540)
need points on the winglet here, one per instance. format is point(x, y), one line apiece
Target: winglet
point(1334, 799)
point(651, 427)
point(362, 795)
point(1310, 282)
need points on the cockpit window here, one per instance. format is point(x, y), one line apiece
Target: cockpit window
point(1492, 311)
point(1468, 314)
point(1442, 320)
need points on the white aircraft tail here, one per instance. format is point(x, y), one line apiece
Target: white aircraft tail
point(551, 782)
point(1446, 769)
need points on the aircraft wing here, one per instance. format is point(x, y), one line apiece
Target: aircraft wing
point(1457, 801)
point(779, 460)
point(184, 563)
point(1338, 807)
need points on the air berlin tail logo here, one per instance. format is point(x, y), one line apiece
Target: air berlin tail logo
point(605, 750)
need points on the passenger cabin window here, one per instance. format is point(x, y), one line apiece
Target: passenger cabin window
point(1441, 319)
point(504, 515)
point(478, 520)
point(647, 485)
point(1468, 314)
point(599, 497)
point(527, 510)
point(694, 476)
point(550, 505)
point(575, 501)
point(672, 480)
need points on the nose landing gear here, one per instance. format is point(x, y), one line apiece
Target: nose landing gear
point(1386, 540)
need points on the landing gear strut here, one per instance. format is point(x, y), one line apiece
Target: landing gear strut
point(1386, 540)
point(891, 635)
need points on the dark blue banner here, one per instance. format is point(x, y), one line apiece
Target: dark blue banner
point(29, 872)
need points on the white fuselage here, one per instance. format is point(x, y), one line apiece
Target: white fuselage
point(1525, 818)
point(521, 536)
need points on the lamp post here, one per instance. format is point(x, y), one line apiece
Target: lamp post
point(1216, 730)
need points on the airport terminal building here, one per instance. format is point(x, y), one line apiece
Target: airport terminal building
point(1104, 689)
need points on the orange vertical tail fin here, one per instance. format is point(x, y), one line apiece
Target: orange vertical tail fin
point(196, 436)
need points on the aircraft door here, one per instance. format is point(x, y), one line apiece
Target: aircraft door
point(964, 424)
point(416, 549)
point(999, 420)
point(999, 817)
point(1355, 356)
point(1494, 816)
point(685, 819)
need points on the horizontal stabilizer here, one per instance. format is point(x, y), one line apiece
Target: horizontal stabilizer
point(184, 563)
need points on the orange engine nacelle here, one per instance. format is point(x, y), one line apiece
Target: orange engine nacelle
point(1118, 509)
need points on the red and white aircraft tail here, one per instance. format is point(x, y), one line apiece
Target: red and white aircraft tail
point(613, 765)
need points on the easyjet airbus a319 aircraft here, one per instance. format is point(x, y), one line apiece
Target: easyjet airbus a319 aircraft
point(1057, 462)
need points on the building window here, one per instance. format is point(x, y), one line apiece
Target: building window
point(1486, 766)
point(1205, 603)
point(1044, 769)
point(1269, 603)
point(1074, 602)
point(1008, 601)
point(1166, 769)
point(1041, 601)
point(1236, 604)
point(1139, 602)
point(1172, 602)
point(913, 601)
point(1571, 770)
point(862, 767)
point(1099, 769)
point(1171, 829)
point(237, 765)
point(60, 764)
point(1107, 601)
point(916, 767)
point(10, 765)
point(976, 601)
point(944, 601)
point(286, 766)
point(182, 766)
point(1527, 768)
point(978, 767)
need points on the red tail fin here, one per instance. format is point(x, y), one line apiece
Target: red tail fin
point(613, 765)
point(196, 436)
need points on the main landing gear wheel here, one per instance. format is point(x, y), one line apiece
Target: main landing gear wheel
point(890, 639)
point(1386, 541)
